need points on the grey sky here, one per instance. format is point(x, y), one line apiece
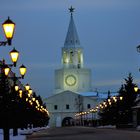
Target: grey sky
point(109, 31)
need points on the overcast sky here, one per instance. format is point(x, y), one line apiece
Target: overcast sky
point(109, 31)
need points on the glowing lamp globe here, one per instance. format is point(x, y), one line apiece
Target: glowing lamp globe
point(22, 70)
point(6, 70)
point(16, 87)
point(14, 56)
point(27, 87)
point(9, 28)
point(136, 89)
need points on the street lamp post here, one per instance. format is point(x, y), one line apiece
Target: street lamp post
point(9, 29)
point(92, 117)
point(15, 102)
point(5, 68)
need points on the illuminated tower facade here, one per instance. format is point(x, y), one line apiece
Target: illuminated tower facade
point(73, 75)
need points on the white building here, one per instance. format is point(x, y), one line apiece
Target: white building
point(70, 81)
point(63, 107)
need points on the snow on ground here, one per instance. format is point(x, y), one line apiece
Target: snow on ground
point(107, 126)
point(14, 138)
point(21, 133)
point(19, 137)
point(138, 128)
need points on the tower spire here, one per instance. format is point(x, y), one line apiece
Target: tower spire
point(72, 39)
point(71, 10)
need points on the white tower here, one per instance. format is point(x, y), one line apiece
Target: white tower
point(72, 76)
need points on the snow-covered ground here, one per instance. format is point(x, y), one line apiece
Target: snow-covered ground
point(107, 126)
point(21, 133)
point(19, 137)
point(138, 128)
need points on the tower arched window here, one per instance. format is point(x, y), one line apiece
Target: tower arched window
point(79, 56)
point(71, 56)
point(65, 57)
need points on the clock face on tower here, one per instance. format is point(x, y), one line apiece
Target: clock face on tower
point(70, 80)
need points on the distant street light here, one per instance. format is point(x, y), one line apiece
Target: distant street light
point(136, 89)
point(27, 87)
point(138, 48)
point(20, 93)
point(6, 70)
point(30, 91)
point(22, 70)
point(16, 87)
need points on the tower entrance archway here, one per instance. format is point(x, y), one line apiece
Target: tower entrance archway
point(68, 121)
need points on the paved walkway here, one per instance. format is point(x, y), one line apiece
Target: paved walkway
point(84, 133)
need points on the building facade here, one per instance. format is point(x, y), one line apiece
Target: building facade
point(70, 81)
point(73, 75)
point(63, 107)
